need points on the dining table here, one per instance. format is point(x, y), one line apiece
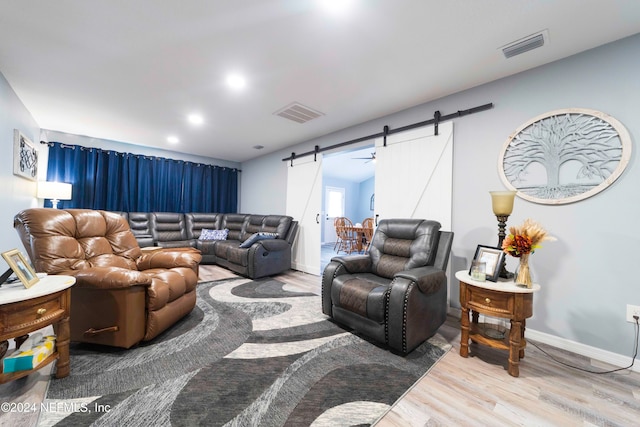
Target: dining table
point(359, 233)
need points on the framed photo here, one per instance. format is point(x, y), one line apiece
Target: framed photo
point(493, 257)
point(21, 267)
point(25, 156)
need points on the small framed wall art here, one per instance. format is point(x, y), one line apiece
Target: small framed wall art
point(21, 267)
point(493, 258)
point(25, 156)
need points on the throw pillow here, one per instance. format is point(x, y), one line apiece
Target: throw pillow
point(256, 237)
point(208, 234)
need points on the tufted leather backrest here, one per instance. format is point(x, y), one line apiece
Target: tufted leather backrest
point(252, 224)
point(195, 222)
point(235, 224)
point(401, 244)
point(277, 224)
point(139, 223)
point(75, 239)
point(167, 226)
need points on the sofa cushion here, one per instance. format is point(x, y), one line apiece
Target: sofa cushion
point(208, 234)
point(222, 247)
point(177, 244)
point(207, 247)
point(255, 237)
point(238, 256)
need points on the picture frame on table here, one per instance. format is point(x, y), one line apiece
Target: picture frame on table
point(493, 258)
point(21, 267)
point(25, 156)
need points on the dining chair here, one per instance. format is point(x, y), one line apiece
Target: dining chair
point(367, 225)
point(346, 237)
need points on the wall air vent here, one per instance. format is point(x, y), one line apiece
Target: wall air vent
point(298, 113)
point(526, 44)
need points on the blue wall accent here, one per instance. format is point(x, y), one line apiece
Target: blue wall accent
point(367, 188)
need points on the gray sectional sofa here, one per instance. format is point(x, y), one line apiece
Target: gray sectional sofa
point(270, 254)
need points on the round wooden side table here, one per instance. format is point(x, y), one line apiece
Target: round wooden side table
point(23, 311)
point(502, 299)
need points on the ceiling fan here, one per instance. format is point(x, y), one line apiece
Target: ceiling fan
point(371, 158)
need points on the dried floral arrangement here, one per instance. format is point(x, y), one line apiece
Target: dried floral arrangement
point(525, 239)
point(521, 242)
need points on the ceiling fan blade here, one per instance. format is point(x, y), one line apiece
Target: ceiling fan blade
point(371, 157)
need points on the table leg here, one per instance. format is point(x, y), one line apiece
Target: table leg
point(4, 346)
point(522, 341)
point(475, 316)
point(514, 348)
point(20, 340)
point(62, 346)
point(464, 333)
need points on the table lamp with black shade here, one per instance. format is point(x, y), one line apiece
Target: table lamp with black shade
point(502, 204)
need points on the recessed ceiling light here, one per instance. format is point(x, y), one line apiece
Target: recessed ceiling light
point(337, 7)
point(196, 119)
point(172, 139)
point(236, 81)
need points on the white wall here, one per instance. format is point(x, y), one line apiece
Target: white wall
point(587, 276)
point(16, 193)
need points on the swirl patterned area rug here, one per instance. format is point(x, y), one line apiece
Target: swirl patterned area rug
point(252, 353)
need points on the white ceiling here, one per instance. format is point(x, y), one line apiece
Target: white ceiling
point(132, 71)
point(352, 165)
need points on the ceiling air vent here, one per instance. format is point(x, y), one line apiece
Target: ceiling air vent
point(525, 45)
point(298, 113)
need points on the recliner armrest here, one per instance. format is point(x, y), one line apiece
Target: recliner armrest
point(354, 263)
point(109, 278)
point(166, 258)
point(274, 244)
point(429, 279)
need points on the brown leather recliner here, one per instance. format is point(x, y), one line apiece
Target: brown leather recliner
point(122, 296)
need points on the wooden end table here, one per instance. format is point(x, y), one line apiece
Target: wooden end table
point(23, 311)
point(503, 299)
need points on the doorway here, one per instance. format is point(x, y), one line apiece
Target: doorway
point(334, 207)
point(417, 165)
point(348, 179)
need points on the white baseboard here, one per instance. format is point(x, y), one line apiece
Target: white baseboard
point(611, 358)
point(315, 270)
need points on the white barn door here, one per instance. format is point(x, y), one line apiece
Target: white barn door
point(414, 175)
point(304, 202)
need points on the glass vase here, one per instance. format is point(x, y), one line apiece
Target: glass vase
point(523, 273)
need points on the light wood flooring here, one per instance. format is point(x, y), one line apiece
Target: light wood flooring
point(457, 391)
point(478, 391)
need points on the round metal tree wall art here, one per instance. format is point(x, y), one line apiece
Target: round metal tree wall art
point(565, 155)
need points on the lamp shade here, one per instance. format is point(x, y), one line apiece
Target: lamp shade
point(502, 202)
point(54, 190)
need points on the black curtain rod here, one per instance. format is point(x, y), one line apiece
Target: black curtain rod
point(437, 118)
point(118, 153)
